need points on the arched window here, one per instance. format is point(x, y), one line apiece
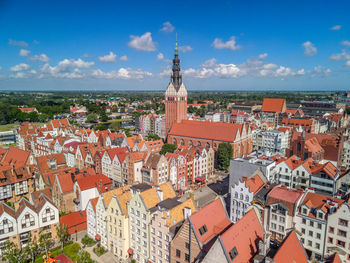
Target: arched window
point(190, 142)
point(247, 198)
point(199, 144)
point(207, 145)
point(241, 196)
point(174, 141)
point(182, 142)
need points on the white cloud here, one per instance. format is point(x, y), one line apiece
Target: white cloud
point(122, 73)
point(24, 52)
point(341, 56)
point(41, 58)
point(123, 58)
point(20, 67)
point(336, 27)
point(230, 44)
point(160, 56)
point(18, 43)
point(321, 71)
point(347, 63)
point(345, 43)
point(209, 63)
point(23, 74)
point(109, 58)
point(185, 49)
point(167, 27)
point(309, 49)
point(143, 43)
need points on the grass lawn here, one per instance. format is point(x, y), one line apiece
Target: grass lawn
point(70, 250)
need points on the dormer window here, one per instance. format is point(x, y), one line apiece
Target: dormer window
point(203, 229)
point(304, 211)
point(233, 253)
point(320, 215)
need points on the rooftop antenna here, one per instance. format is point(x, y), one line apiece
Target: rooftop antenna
point(176, 49)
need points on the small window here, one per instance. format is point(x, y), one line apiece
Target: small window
point(203, 229)
point(233, 253)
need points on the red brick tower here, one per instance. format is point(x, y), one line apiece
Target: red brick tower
point(175, 96)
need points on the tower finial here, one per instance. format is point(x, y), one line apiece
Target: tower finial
point(176, 49)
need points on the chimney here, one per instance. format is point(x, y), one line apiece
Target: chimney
point(160, 195)
point(187, 212)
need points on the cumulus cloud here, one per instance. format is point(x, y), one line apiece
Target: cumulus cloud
point(229, 44)
point(336, 27)
point(39, 58)
point(24, 52)
point(345, 43)
point(123, 58)
point(122, 73)
point(143, 43)
point(160, 56)
point(347, 63)
point(185, 49)
point(109, 58)
point(309, 49)
point(19, 67)
point(18, 43)
point(341, 56)
point(321, 71)
point(167, 27)
point(256, 67)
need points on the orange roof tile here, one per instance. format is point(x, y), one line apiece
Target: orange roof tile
point(291, 244)
point(176, 214)
point(100, 181)
point(274, 105)
point(254, 183)
point(286, 196)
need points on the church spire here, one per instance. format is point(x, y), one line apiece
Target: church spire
point(176, 77)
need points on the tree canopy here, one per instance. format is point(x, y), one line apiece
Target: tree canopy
point(167, 147)
point(225, 153)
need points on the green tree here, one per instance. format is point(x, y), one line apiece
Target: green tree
point(167, 147)
point(115, 125)
point(12, 254)
point(62, 234)
point(32, 249)
point(85, 257)
point(152, 137)
point(92, 118)
point(225, 153)
point(45, 241)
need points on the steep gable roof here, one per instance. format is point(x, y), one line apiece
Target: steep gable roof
point(100, 181)
point(254, 183)
point(286, 196)
point(211, 219)
point(291, 250)
point(176, 214)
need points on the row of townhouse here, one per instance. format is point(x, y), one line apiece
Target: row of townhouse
point(27, 220)
point(321, 221)
point(272, 140)
point(146, 124)
point(137, 221)
point(324, 177)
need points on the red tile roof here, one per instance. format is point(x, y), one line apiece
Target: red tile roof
point(207, 130)
point(254, 183)
point(282, 194)
point(75, 221)
point(293, 162)
point(274, 105)
point(215, 219)
point(100, 181)
point(334, 258)
point(244, 236)
point(291, 250)
point(15, 156)
point(296, 122)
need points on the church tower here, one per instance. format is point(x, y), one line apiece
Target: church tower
point(175, 96)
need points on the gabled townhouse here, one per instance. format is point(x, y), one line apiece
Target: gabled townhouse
point(118, 224)
point(243, 192)
point(196, 234)
point(112, 160)
point(27, 220)
point(101, 214)
point(177, 170)
point(140, 213)
point(281, 210)
point(132, 166)
point(155, 169)
point(153, 146)
point(89, 187)
point(338, 232)
point(311, 221)
point(84, 155)
point(284, 169)
point(167, 218)
point(135, 143)
point(240, 242)
point(91, 217)
point(116, 140)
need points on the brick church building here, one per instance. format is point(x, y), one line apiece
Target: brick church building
point(181, 131)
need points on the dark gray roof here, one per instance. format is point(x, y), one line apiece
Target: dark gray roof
point(220, 187)
point(141, 187)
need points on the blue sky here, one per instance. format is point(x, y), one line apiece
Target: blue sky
point(224, 45)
